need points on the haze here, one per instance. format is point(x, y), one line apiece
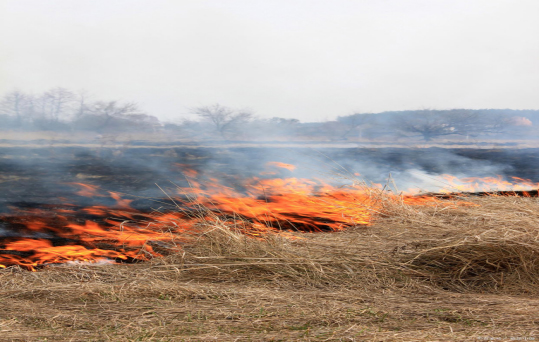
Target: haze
point(311, 60)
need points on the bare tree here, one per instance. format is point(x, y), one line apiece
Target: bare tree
point(52, 109)
point(58, 100)
point(15, 104)
point(426, 124)
point(223, 118)
point(82, 100)
point(101, 115)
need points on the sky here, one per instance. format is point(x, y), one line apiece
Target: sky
point(306, 59)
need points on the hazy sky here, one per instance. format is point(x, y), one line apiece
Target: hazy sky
point(312, 60)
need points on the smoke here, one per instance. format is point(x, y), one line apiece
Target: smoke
point(520, 121)
point(54, 182)
point(47, 175)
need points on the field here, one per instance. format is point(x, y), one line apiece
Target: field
point(455, 269)
point(420, 273)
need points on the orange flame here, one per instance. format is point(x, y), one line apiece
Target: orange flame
point(282, 165)
point(122, 233)
point(486, 184)
point(87, 190)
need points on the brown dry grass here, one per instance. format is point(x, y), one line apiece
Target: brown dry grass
point(90, 139)
point(430, 273)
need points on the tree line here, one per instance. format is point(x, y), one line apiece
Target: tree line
point(59, 109)
point(62, 110)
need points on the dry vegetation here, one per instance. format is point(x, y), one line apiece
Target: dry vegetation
point(430, 273)
point(119, 140)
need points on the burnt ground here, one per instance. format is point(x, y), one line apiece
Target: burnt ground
point(32, 176)
point(355, 285)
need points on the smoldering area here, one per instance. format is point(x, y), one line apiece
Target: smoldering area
point(32, 177)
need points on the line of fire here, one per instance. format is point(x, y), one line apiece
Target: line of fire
point(109, 229)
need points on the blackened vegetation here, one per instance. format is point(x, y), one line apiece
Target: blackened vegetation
point(46, 176)
point(41, 182)
point(303, 223)
point(531, 193)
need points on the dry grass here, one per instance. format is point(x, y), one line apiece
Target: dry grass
point(59, 139)
point(429, 273)
point(489, 246)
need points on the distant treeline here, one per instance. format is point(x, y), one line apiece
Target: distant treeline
point(62, 110)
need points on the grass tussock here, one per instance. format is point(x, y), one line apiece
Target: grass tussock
point(220, 251)
point(486, 261)
point(490, 245)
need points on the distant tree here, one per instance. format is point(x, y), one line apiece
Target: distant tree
point(194, 129)
point(58, 100)
point(351, 124)
point(173, 127)
point(268, 129)
point(284, 121)
point(427, 124)
point(52, 109)
point(15, 104)
point(104, 116)
point(224, 119)
point(430, 124)
point(82, 104)
point(344, 127)
point(59, 109)
point(142, 122)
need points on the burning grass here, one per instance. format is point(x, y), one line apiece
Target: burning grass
point(254, 206)
point(449, 270)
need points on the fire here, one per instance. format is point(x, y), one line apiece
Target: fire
point(63, 233)
point(282, 165)
point(87, 190)
point(291, 203)
point(62, 239)
point(486, 184)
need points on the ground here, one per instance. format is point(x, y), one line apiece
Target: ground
point(411, 276)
